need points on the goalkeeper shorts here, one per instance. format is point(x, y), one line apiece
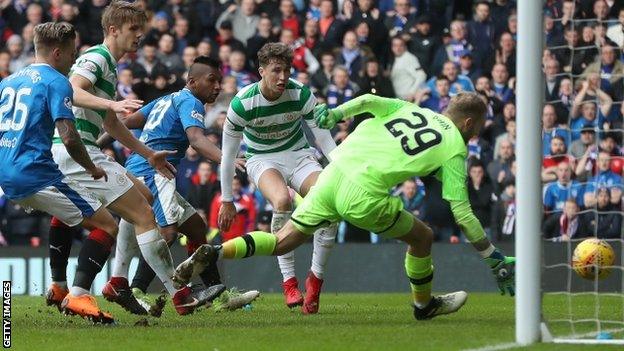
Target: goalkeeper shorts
point(335, 197)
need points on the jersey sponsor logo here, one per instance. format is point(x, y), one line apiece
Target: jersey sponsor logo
point(88, 65)
point(8, 143)
point(289, 117)
point(67, 102)
point(121, 179)
point(198, 116)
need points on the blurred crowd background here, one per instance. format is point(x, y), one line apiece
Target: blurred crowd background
point(423, 51)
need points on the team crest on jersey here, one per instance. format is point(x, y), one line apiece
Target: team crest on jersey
point(121, 179)
point(88, 65)
point(289, 117)
point(198, 116)
point(67, 102)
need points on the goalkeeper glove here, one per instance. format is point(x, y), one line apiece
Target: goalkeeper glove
point(326, 118)
point(503, 269)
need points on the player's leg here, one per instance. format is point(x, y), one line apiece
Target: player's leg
point(60, 239)
point(418, 265)
point(74, 205)
point(266, 174)
point(133, 207)
point(324, 240)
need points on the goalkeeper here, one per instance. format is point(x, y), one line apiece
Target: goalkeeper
point(400, 142)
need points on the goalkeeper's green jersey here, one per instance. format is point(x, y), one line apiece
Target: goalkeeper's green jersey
point(403, 140)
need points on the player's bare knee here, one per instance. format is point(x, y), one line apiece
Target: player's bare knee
point(282, 203)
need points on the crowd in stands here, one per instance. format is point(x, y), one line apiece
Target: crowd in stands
point(424, 51)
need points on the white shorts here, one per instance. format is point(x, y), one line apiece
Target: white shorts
point(66, 200)
point(169, 206)
point(295, 166)
point(107, 191)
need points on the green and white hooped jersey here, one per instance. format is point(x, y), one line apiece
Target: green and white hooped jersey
point(98, 65)
point(271, 126)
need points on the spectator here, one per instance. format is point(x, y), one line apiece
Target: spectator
point(435, 103)
point(510, 130)
point(451, 50)
point(412, 193)
point(147, 62)
point(552, 79)
point(224, 57)
point(481, 30)
point(406, 73)
point(503, 86)
point(289, 19)
point(467, 67)
point(124, 83)
point(563, 106)
point(204, 48)
point(551, 130)
point(264, 34)
point(303, 60)
point(341, 89)
point(312, 39)
point(402, 19)
point(423, 43)
point(504, 214)
point(482, 195)
point(580, 147)
point(606, 222)
point(569, 224)
point(226, 37)
point(202, 191)
point(351, 55)
point(480, 149)
point(186, 169)
point(182, 36)
point(458, 82)
point(188, 55)
point(587, 113)
point(563, 188)
point(161, 83)
point(90, 14)
point(604, 178)
point(236, 69)
point(168, 56)
point(245, 219)
point(330, 28)
point(499, 170)
point(608, 67)
point(616, 32)
point(556, 156)
point(242, 18)
point(5, 63)
point(19, 59)
point(373, 81)
point(322, 77)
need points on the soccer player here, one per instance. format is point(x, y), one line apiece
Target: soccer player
point(93, 78)
point(268, 116)
point(401, 141)
point(172, 123)
point(33, 101)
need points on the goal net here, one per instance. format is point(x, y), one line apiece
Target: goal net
point(582, 183)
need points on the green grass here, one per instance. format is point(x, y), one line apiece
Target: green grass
point(346, 322)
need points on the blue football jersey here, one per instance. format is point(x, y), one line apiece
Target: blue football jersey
point(167, 119)
point(31, 101)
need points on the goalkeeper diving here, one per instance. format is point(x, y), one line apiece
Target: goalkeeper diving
point(403, 140)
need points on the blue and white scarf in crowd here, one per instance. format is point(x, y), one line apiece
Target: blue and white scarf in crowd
point(336, 96)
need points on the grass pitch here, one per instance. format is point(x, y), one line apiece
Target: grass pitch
point(345, 322)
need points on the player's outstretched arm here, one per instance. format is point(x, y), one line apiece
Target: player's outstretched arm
point(157, 159)
point(202, 145)
point(368, 103)
point(83, 98)
point(453, 177)
point(76, 149)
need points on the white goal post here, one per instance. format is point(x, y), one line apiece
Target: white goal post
point(528, 181)
point(530, 328)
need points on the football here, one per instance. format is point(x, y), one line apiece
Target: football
point(593, 257)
